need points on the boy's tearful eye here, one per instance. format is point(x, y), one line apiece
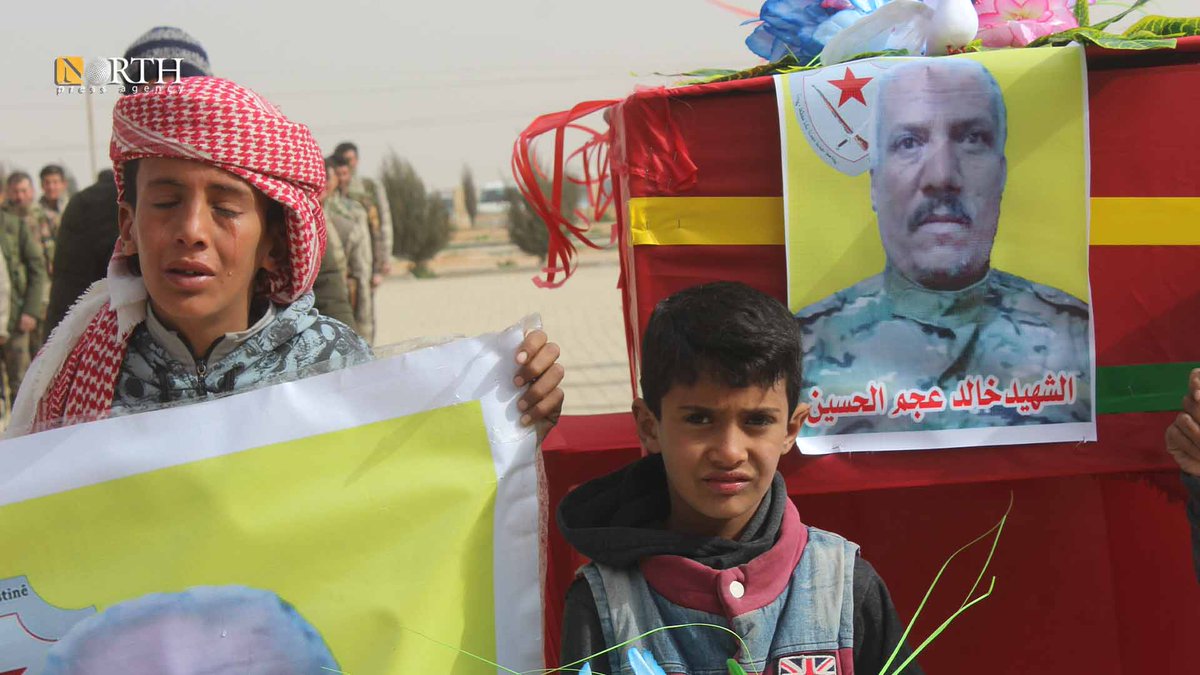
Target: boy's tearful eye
point(697, 418)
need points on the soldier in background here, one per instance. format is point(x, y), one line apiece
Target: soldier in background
point(347, 216)
point(332, 298)
point(53, 201)
point(26, 261)
point(19, 202)
point(938, 312)
point(379, 216)
point(5, 297)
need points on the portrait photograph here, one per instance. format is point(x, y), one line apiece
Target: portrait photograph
point(937, 247)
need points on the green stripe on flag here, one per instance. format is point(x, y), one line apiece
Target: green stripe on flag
point(1152, 387)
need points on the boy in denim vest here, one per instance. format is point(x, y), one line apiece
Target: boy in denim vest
point(701, 530)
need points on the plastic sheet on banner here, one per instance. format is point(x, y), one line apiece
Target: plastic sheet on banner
point(394, 506)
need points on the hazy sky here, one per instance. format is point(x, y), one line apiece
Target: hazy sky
point(443, 83)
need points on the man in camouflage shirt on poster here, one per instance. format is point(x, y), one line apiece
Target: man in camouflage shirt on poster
point(937, 340)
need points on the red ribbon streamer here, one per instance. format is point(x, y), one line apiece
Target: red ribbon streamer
point(593, 155)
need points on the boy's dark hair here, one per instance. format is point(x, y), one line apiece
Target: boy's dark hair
point(129, 172)
point(16, 177)
point(52, 170)
point(344, 147)
point(728, 331)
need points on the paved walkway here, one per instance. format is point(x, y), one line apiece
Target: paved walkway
point(583, 317)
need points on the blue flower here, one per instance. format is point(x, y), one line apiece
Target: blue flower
point(643, 663)
point(802, 27)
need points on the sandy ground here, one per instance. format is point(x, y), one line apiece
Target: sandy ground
point(583, 317)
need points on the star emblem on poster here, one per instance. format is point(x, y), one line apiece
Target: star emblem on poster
point(834, 109)
point(851, 87)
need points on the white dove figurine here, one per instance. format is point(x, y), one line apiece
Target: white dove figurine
point(932, 28)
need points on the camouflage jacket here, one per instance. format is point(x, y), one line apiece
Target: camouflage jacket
point(349, 219)
point(26, 261)
point(379, 218)
point(44, 225)
point(888, 330)
point(288, 342)
point(54, 210)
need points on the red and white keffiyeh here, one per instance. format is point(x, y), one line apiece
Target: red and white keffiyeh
point(208, 120)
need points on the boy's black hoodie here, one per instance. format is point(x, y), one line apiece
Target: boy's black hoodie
point(619, 519)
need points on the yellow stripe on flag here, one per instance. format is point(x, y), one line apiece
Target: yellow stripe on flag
point(751, 221)
point(666, 221)
point(1140, 221)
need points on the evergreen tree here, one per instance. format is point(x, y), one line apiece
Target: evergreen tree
point(470, 195)
point(420, 223)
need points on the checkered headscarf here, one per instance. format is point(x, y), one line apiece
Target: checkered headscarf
point(204, 119)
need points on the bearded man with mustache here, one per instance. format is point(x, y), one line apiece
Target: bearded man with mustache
point(939, 312)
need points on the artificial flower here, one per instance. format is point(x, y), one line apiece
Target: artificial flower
point(802, 27)
point(1016, 23)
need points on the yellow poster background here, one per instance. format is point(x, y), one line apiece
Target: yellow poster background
point(832, 236)
point(365, 531)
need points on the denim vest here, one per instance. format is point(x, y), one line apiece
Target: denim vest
point(808, 628)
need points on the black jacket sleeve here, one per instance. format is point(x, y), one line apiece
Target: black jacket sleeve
point(33, 256)
point(877, 628)
point(582, 635)
point(86, 237)
point(1193, 510)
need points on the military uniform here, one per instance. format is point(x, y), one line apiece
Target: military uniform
point(891, 331)
point(52, 212)
point(349, 218)
point(27, 276)
point(379, 219)
point(332, 297)
point(41, 224)
point(45, 228)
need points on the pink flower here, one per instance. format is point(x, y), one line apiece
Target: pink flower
point(1016, 23)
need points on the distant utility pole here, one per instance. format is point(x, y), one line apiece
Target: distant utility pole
point(91, 135)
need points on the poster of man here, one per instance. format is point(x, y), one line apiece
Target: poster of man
point(937, 230)
point(205, 630)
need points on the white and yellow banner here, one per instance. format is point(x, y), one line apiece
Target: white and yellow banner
point(377, 519)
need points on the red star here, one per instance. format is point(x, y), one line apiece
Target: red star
point(852, 87)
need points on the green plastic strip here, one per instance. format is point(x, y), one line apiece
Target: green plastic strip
point(1153, 387)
